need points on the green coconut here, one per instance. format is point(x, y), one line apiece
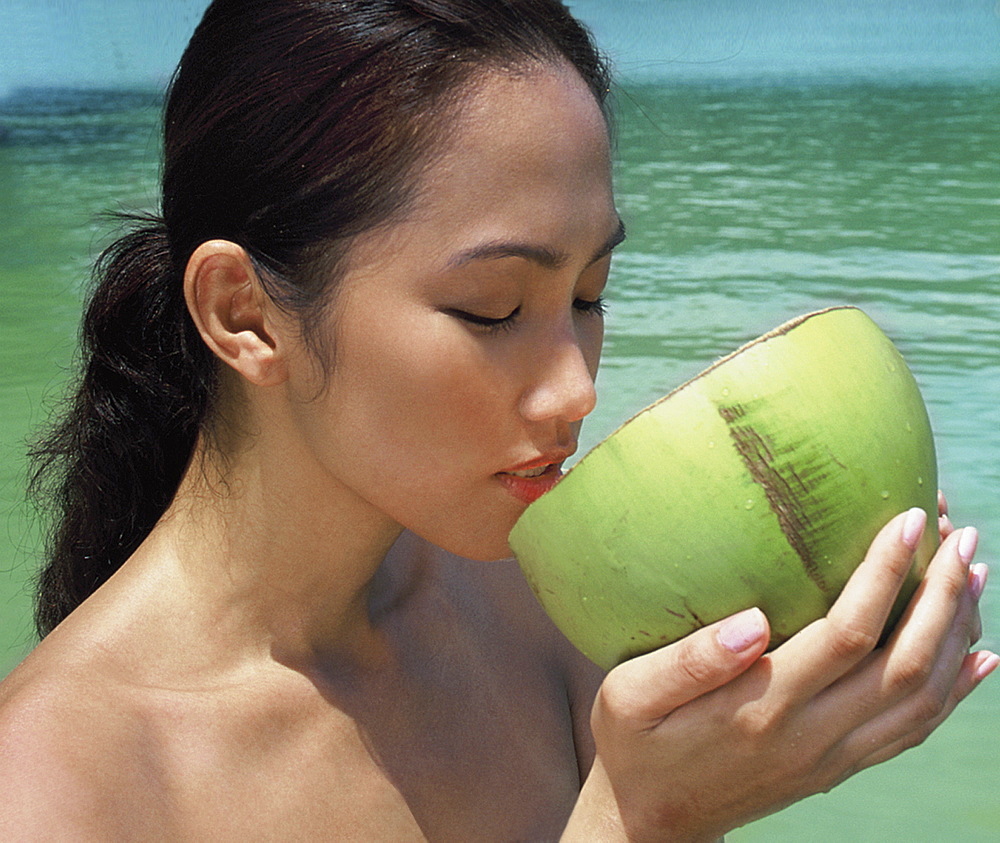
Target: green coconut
point(761, 482)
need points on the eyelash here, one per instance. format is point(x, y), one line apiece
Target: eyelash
point(595, 307)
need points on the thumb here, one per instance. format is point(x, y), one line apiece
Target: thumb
point(647, 688)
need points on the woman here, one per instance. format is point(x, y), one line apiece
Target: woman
point(361, 338)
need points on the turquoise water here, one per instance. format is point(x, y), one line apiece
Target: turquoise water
point(746, 205)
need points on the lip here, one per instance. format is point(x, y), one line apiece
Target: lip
point(530, 489)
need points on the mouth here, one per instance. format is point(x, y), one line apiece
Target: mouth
point(529, 481)
point(530, 472)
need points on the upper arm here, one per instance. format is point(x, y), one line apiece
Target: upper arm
point(579, 676)
point(517, 618)
point(583, 678)
point(45, 790)
point(65, 774)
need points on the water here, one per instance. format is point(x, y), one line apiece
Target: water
point(746, 204)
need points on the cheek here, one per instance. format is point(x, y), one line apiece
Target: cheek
point(430, 388)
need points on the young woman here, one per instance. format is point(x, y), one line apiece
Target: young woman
point(360, 339)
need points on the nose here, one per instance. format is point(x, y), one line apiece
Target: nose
point(561, 387)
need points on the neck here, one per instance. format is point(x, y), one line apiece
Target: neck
point(279, 556)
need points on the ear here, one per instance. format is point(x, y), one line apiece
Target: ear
point(233, 313)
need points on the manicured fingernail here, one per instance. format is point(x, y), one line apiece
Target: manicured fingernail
point(913, 527)
point(967, 544)
point(942, 503)
point(987, 666)
point(742, 630)
point(977, 579)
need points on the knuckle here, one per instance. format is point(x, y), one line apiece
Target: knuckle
point(853, 640)
point(615, 700)
point(911, 674)
point(930, 706)
point(694, 667)
point(955, 588)
point(755, 722)
point(916, 738)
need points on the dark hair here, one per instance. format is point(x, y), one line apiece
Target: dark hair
point(290, 127)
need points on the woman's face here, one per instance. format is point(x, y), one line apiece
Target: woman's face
point(466, 337)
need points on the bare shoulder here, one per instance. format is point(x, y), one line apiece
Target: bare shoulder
point(70, 755)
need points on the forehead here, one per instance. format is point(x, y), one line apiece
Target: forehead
point(540, 122)
point(525, 158)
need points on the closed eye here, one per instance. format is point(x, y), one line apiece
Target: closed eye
point(590, 307)
point(491, 323)
point(595, 307)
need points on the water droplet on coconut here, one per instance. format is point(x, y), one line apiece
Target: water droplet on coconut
point(909, 428)
point(920, 481)
point(748, 504)
point(711, 444)
point(725, 392)
point(885, 494)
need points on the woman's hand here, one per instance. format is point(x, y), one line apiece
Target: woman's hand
point(709, 733)
point(945, 527)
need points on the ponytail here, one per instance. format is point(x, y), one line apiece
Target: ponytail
point(110, 466)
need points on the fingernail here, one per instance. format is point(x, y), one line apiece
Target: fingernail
point(967, 544)
point(987, 666)
point(742, 630)
point(913, 527)
point(977, 580)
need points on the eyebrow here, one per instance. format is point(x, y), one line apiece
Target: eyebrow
point(542, 255)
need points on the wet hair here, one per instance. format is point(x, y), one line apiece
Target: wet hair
point(290, 127)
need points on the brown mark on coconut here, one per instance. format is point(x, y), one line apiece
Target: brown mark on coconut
point(784, 488)
point(694, 615)
point(677, 615)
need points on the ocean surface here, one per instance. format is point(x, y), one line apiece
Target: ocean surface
point(747, 203)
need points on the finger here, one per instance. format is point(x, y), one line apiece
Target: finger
point(945, 527)
point(975, 628)
point(828, 648)
point(975, 668)
point(647, 688)
point(978, 574)
point(909, 682)
point(932, 610)
point(926, 649)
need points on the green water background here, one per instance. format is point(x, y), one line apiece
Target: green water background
point(746, 204)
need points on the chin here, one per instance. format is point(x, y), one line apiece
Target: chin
point(478, 535)
point(479, 551)
point(476, 548)
point(507, 553)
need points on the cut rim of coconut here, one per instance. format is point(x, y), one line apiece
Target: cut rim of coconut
point(780, 330)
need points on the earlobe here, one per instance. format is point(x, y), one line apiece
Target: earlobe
point(233, 313)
